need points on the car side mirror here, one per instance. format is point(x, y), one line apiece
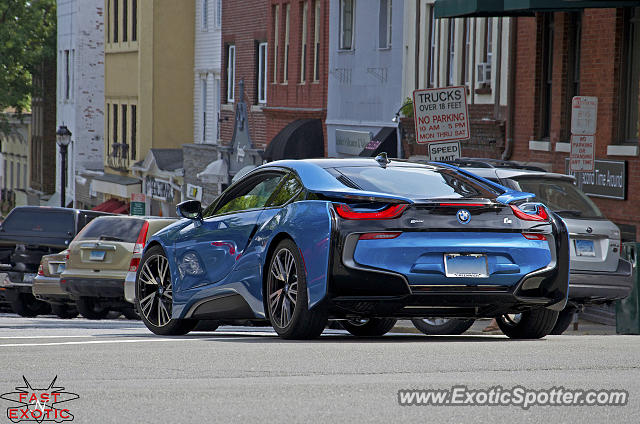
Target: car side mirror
point(190, 209)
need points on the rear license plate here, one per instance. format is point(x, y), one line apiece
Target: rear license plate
point(28, 278)
point(457, 265)
point(585, 248)
point(97, 255)
point(60, 268)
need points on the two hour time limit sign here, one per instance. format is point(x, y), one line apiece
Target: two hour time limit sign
point(441, 114)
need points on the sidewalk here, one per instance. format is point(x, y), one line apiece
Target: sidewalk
point(584, 328)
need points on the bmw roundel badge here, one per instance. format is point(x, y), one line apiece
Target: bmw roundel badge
point(464, 216)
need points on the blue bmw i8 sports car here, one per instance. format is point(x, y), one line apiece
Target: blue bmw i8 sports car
point(299, 242)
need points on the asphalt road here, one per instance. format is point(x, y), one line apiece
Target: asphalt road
point(123, 374)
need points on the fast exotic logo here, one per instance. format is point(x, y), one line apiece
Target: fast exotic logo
point(39, 405)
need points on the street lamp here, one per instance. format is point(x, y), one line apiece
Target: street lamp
point(63, 136)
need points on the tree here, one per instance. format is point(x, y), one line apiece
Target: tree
point(27, 39)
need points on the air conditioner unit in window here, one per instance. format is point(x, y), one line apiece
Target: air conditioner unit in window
point(484, 73)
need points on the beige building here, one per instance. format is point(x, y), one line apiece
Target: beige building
point(149, 62)
point(14, 153)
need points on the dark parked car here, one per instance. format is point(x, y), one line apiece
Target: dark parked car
point(26, 235)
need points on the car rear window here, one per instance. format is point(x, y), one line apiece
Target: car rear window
point(112, 229)
point(561, 196)
point(40, 221)
point(414, 182)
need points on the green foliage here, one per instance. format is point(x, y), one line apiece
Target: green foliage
point(407, 108)
point(27, 39)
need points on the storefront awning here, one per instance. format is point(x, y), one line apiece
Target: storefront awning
point(300, 139)
point(384, 141)
point(462, 8)
point(111, 205)
point(216, 172)
point(117, 185)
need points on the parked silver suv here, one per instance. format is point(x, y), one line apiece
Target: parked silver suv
point(598, 274)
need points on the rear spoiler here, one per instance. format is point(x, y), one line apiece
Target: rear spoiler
point(507, 196)
point(369, 196)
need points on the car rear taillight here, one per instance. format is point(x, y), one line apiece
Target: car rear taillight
point(389, 212)
point(379, 236)
point(133, 266)
point(534, 236)
point(142, 238)
point(540, 213)
point(40, 270)
point(139, 247)
point(463, 205)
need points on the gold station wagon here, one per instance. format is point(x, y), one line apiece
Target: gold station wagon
point(100, 257)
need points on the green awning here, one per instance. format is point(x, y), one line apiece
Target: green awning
point(462, 8)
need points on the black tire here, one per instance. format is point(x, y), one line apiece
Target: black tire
point(64, 311)
point(453, 326)
point(26, 305)
point(154, 301)
point(285, 286)
point(533, 324)
point(130, 313)
point(90, 308)
point(565, 318)
point(372, 327)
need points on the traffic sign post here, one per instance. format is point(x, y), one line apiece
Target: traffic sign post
point(444, 151)
point(584, 118)
point(441, 114)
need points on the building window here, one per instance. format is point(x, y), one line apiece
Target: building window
point(115, 20)
point(218, 13)
point(285, 77)
point(108, 22)
point(231, 73)
point(205, 14)
point(431, 66)
point(134, 20)
point(484, 69)
point(114, 121)
point(134, 130)
point(346, 24)
point(262, 73)
point(573, 68)
point(316, 41)
point(303, 46)
point(384, 37)
point(67, 76)
point(547, 75)
point(203, 108)
point(631, 77)
point(276, 41)
point(125, 17)
point(451, 55)
point(467, 51)
point(123, 108)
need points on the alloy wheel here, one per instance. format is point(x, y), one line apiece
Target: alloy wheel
point(283, 287)
point(155, 291)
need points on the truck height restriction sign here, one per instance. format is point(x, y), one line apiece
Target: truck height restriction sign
point(441, 114)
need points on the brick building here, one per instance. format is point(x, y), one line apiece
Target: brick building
point(42, 151)
point(587, 52)
point(591, 52)
point(244, 30)
point(295, 79)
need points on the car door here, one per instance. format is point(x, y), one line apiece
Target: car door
point(205, 252)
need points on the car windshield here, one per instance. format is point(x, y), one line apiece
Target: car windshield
point(561, 196)
point(414, 182)
point(40, 221)
point(112, 229)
